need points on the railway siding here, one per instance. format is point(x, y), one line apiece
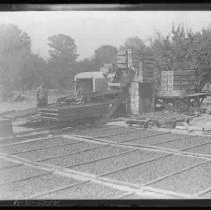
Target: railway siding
point(159, 163)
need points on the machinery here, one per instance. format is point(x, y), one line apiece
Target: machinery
point(102, 101)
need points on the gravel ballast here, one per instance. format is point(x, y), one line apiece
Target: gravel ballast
point(61, 150)
point(190, 181)
point(36, 145)
point(85, 191)
point(117, 162)
point(86, 156)
point(31, 187)
point(147, 172)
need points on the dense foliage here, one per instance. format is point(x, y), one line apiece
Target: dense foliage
point(21, 70)
point(182, 50)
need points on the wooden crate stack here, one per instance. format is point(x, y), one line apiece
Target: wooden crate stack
point(177, 82)
point(122, 59)
point(142, 63)
point(146, 67)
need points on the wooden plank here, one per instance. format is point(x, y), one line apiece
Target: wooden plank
point(146, 73)
point(150, 70)
point(148, 63)
point(184, 78)
point(122, 66)
point(185, 72)
point(121, 52)
point(186, 83)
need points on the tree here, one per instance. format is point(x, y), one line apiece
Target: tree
point(182, 50)
point(63, 56)
point(15, 49)
point(104, 54)
point(62, 46)
point(134, 43)
point(36, 72)
point(86, 65)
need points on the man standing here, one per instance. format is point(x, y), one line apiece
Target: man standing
point(42, 96)
point(79, 95)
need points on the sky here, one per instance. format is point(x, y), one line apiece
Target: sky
point(91, 29)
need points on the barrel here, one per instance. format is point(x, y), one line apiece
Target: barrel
point(6, 128)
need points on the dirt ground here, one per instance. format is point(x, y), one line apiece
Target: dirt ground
point(30, 101)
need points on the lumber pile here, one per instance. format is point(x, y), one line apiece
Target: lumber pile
point(74, 112)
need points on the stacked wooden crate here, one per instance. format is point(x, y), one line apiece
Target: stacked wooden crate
point(143, 64)
point(141, 91)
point(177, 82)
point(146, 67)
point(122, 59)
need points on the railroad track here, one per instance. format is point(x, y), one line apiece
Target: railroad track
point(77, 163)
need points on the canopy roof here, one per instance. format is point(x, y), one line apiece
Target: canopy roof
point(89, 75)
